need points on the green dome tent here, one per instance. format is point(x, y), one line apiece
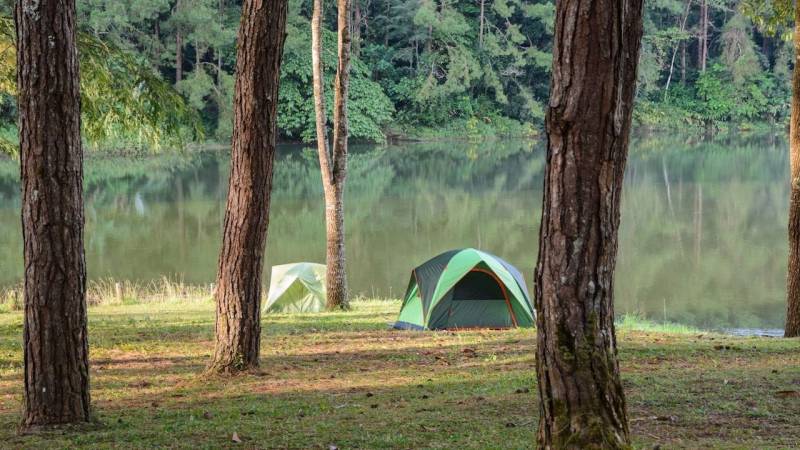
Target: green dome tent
point(296, 287)
point(465, 289)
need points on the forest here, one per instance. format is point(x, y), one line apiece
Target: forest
point(432, 69)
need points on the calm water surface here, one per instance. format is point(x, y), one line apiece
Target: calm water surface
point(702, 241)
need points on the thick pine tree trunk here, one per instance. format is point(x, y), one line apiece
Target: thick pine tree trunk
point(595, 57)
point(793, 278)
point(238, 295)
point(333, 165)
point(54, 333)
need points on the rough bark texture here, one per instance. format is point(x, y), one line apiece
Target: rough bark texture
point(793, 278)
point(54, 333)
point(258, 60)
point(595, 58)
point(333, 164)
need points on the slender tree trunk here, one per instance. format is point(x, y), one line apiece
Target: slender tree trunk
point(793, 279)
point(480, 34)
point(700, 27)
point(682, 24)
point(178, 57)
point(683, 63)
point(54, 333)
point(157, 45)
point(704, 37)
point(238, 295)
point(357, 18)
point(218, 51)
point(333, 164)
point(595, 56)
point(178, 49)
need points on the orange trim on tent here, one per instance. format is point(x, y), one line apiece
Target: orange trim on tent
point(503, 288)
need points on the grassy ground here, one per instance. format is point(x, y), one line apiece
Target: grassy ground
point(344, 379)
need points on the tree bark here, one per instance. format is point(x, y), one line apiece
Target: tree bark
point(793, 279)
point(218, 51)
point(56, 350)
point(357, 18)
point(703, 50)
point(198, 55)
point(683, 63)
point(595, 56)
point(178, 49)
point(178, 57)
point(258, 60)
point(480, 33)
point(333, 164)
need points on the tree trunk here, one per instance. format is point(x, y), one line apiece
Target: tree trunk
point(793, 278)
point(178, 57)
point(333, 165)
point(704, 36)
point(357, 28)
point(218, 51)
point(682, 24)
point(581, 401)
point(700, 35)
point(683, 63)
point(156, 62)
point(198, 60)
point(178, 49)
point(258, 60)
point(54, 334)
point(482, 19)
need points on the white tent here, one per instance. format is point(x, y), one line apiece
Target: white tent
point(298, 287)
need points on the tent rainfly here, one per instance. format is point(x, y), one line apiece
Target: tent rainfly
point(298, 287)
point(465, 289)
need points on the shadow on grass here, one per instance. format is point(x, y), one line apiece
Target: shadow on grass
point(453, 411)
point(344, 379)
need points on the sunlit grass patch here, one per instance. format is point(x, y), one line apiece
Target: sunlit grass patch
point(631, 322)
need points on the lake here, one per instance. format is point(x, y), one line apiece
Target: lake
point(702, 240)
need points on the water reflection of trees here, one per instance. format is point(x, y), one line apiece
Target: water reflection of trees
point(703, 227)
point(409, 203)
point(715, 256)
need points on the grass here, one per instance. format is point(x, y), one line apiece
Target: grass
point(344, 379)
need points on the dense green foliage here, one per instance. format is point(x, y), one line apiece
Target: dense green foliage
point(743, 79)
point(123, 101)
point(459, 68)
